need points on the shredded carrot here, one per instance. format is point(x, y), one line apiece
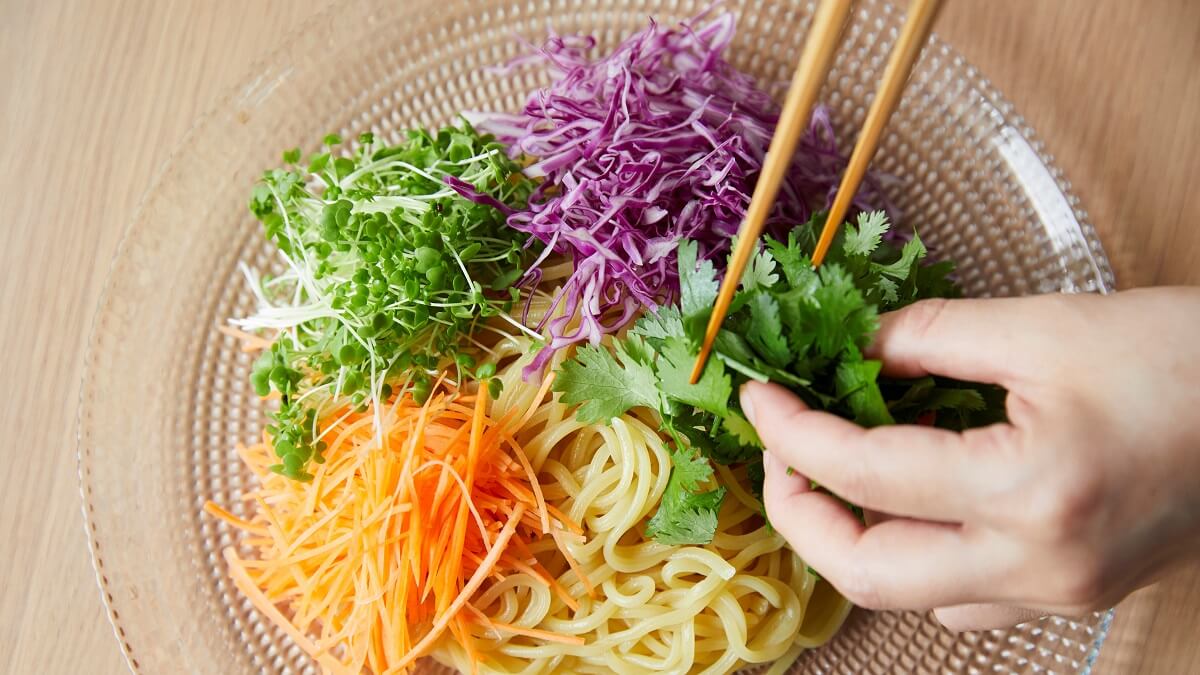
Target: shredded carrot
point(213, 509)
point(250, 341)
point(564, 519)
point(537, 399)
point(574, 565)
point(375, 559)
point(558, 589)
point(248, 588)
point(473, 585)
point(548, 636)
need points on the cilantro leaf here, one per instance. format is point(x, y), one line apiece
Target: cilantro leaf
point(961, 404)
point(792, 258)
point(728, 450)
point(864, 239)
point(827, 318)
point(710, 394)
point(742, 430)
point(915, 395)
point(637, 349)
point(606, 385)
point(910, 256)
point(766, 330)
point(663, 323)
point(690, 470)
point(844, 317)
point(755, 476)
point(906, 271)
point(888, 291)
point(697, 282)
point(856, 383)
point(956, 399)
point(735, 346)
point(686, 516)
point(934, 281)
point(760, 273)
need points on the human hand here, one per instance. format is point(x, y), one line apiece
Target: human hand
point(1091, 490)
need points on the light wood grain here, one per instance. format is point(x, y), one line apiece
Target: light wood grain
point(94, 96)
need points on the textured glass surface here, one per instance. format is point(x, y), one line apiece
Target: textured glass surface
point(968, 174)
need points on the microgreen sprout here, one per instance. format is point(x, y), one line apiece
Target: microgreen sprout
point(387, 267)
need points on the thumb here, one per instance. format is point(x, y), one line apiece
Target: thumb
point(782, 403)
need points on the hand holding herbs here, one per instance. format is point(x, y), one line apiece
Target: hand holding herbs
point(1087, 493)
point(801, 328)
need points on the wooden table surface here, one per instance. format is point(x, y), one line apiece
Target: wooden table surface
point(94, 97)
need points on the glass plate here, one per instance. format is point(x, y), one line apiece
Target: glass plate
point(165, 396)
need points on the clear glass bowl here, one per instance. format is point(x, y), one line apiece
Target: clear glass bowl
point(165, 396)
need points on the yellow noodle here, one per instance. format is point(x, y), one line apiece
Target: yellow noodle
point(744, 599)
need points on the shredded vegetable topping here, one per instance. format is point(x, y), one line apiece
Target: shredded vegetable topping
point(388, 266)
point(659, 141)
point(383, 550)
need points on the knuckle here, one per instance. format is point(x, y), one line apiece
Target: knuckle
point(860, 585)
point(1066, 503)
point(775, 503)
point(920, 318)
point(995, 455)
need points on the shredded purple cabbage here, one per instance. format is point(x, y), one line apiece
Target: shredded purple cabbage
point(659, 141)
point(468, 191)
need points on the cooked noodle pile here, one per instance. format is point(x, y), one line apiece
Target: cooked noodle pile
point(643, 606)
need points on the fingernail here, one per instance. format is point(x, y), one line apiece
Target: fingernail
point(747, 402)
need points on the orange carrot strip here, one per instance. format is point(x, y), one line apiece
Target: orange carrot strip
point(468, 590)
point(246, 585)
point(537, 400)
point(465, 490)
point(559, 589)
point(250, 341)
point(564, 519)
point(216, 511)
point(400, 528)
point(574, 565)
point(548, 636)
point(543, 514)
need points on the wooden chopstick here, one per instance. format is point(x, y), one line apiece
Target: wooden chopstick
point(914, 34)
point(815, 61)
point(814, 65)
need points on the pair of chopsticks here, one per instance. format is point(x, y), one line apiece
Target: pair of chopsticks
point(815, 60)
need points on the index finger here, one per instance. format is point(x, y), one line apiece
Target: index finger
point(915, 471)
point(896, 564)
point(996, 340)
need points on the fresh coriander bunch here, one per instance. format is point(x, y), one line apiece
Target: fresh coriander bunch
point(789, 323)
point(388, 268)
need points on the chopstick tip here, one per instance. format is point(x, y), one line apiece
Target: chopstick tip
point(698, 366)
